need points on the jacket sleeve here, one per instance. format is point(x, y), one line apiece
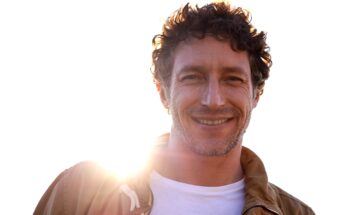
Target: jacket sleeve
point(49, 200)
point(86, 188)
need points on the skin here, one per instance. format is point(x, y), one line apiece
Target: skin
point(210, 97)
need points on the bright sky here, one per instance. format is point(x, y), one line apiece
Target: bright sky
point(75, 85)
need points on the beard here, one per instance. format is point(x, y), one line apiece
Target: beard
point(212, 148)
point(228, 146)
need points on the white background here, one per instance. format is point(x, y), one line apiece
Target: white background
point(75, 85)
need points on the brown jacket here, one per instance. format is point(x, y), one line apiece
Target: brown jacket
point(89, 189)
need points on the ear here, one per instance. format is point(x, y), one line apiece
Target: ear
point(257, 94)
point(163, 95)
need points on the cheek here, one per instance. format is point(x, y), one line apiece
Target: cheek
point(184, 96)
point(181, 103)
point(243, 99)
point(178, 103)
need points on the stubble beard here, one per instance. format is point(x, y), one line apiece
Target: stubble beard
point(229, 145)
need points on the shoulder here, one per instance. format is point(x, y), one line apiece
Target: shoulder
point(86, 169)
point(290, 204)
point(79, 187)
point(84, 174)
point(88, 177)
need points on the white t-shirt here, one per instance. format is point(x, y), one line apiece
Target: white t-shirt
point(176, 198)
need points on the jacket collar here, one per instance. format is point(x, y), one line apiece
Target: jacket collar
point(258, 193)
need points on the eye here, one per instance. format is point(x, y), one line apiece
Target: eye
point(192, 77)
point(234, 79)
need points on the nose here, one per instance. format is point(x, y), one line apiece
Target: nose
point(212, 95)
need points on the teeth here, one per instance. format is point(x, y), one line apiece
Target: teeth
point(212, 122)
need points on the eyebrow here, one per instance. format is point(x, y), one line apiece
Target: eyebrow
point(234, 69)
point(192, 68)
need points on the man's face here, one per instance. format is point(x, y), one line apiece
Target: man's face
point(210, 96)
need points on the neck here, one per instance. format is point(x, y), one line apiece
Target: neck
point(179, 163)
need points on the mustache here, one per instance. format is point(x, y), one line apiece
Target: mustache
point(218, 111)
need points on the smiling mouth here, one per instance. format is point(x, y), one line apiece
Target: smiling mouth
point(212, 122)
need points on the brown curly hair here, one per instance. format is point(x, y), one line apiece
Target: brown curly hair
point(220, 20)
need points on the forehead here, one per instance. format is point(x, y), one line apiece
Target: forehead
point(209, 54)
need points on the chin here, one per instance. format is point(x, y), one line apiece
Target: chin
point(214, 149)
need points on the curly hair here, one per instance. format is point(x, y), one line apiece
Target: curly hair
point(220, 20)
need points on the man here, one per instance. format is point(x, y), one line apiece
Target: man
point(210, 65)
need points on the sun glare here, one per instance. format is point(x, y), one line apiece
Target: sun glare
point(125, 160)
